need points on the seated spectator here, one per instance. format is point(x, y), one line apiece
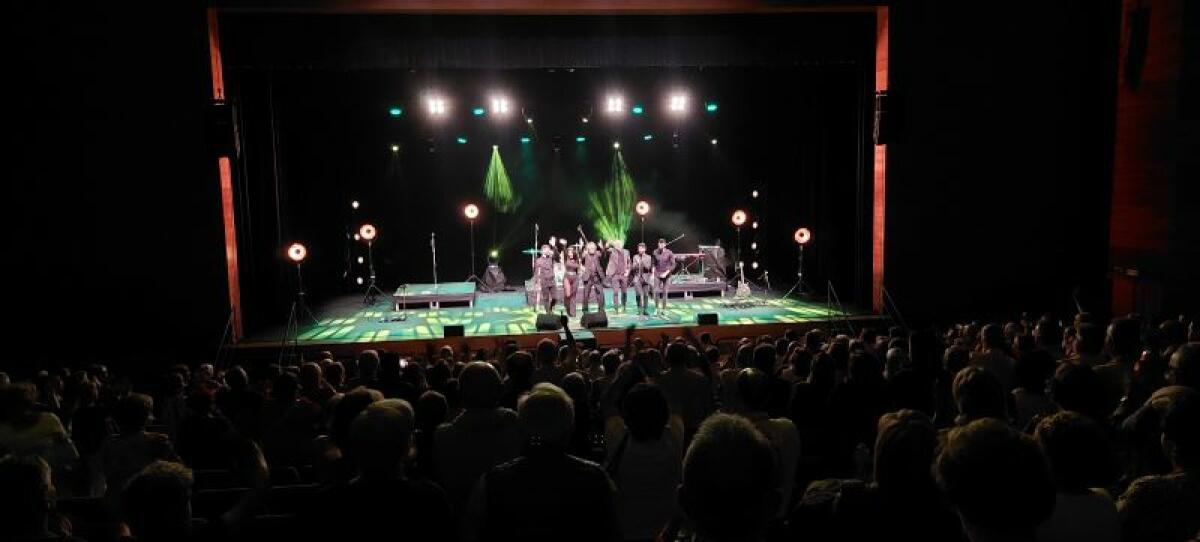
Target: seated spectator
point(132, 449)
point(27, 501)
point(518, 379)
point(644, 454)
point(1089, 345)
point(581, 437)
point(381, 498)
point(978, 394)
point(1077, 388)
point(239, 404)
point(854, 409)
point(754, 387)
point(545, 494)
point(1163, 507)
point(993, 356)
point(1116, 374)
point(431, 412)
point(26, 431)
point(1081, 462)
point(483, 436)
point(548, 368)
point(1184, 367)
point(687, 391)
point(729, 489)
point(997, 480)
point(1030, 400)
point(206, 438)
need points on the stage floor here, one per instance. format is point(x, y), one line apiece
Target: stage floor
point(346, 320)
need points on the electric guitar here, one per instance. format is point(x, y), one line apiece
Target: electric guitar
point(743, 287)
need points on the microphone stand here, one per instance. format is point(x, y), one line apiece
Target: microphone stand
point(433, 252)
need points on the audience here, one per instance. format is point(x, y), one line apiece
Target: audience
point(644, 462)
point(1082, 464)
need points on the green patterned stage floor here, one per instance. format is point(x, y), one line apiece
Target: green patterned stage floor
point(347, 320)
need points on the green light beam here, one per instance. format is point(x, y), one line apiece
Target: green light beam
point(497, 187)
point(611, 209)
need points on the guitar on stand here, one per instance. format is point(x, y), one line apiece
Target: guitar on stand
point(743, 287)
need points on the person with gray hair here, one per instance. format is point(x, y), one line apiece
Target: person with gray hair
point(381, 497)
point(482, 436)
point(546, 494)
point(729, 482)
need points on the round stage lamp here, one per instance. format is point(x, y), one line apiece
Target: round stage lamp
point(739, 217)
point(367, 232)
point(354, 204)
point(471, 211)
point(297, 252)
point(642, 208)
point(802, 236)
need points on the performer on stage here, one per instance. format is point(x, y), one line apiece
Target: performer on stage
point(642, 267)
point(593, 276)
point(543, 274)
point(618, 273)
point(571, 264)
point(664, 264)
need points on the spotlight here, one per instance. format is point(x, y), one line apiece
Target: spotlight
point(494, 254)
point(711, 107)
point(471, 211)
point(637, 110)
point(647, 137)
point(296, 252)
point(754, 224)
point(753, 246)
point(357, 237)
point(395, 147)
point(367, 232)
point(754, 194)
point(478, 111)
point(677, 103)
point(354, 204)
point(802, 236)
point(529, 121)
point(525, 139)
point(616, 144)
point(642, 208)
point(395, 111)
point(614, 103)
point(461, 140)
point(753, 265)
point(580, 139)
point(500, 106)
point(436, 104)
point(359, 280)
point(360, 259)
point(713, 141)
point(585, 120)
point(739, 217)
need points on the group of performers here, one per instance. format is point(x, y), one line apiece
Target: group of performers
point(582, 271)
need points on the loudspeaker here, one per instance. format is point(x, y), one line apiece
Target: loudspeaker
point(706, 319)
point(452, 331)
point(547, 322)
point(594, 319)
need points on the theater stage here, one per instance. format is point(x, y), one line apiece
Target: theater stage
point(346, 324)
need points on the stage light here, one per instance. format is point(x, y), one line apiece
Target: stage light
point(367, 232)
point(395, 111)
point(494, 254)
point(461, 140)
point(647, 137)
point(802, 236)
point(642, 208)
point(711, 107)
point(739, 217)
point(580, 139)
point(357, 237)
point(296, 252)
point(754, 193)
point(436, 104)
point(637, 110)
point(584, 119)
point(754, 224)
point(359, 280)
point(500, 106)
point(616, 145)
point(354, 204)
point(360, 259)
point(471, 211)
point(478, 111)
point(753, 246)
point(753, 265)
point(614, 104)
point(395, 147)
point(525, 139)
point(677, 103)
point(528, 121)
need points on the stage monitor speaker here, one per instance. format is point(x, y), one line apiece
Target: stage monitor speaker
point(706, 319)
point(453, 331)
point(594, 319)
point(547, 322)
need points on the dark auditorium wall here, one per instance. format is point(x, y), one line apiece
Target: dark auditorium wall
point(999, 171)
point(115, 252)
